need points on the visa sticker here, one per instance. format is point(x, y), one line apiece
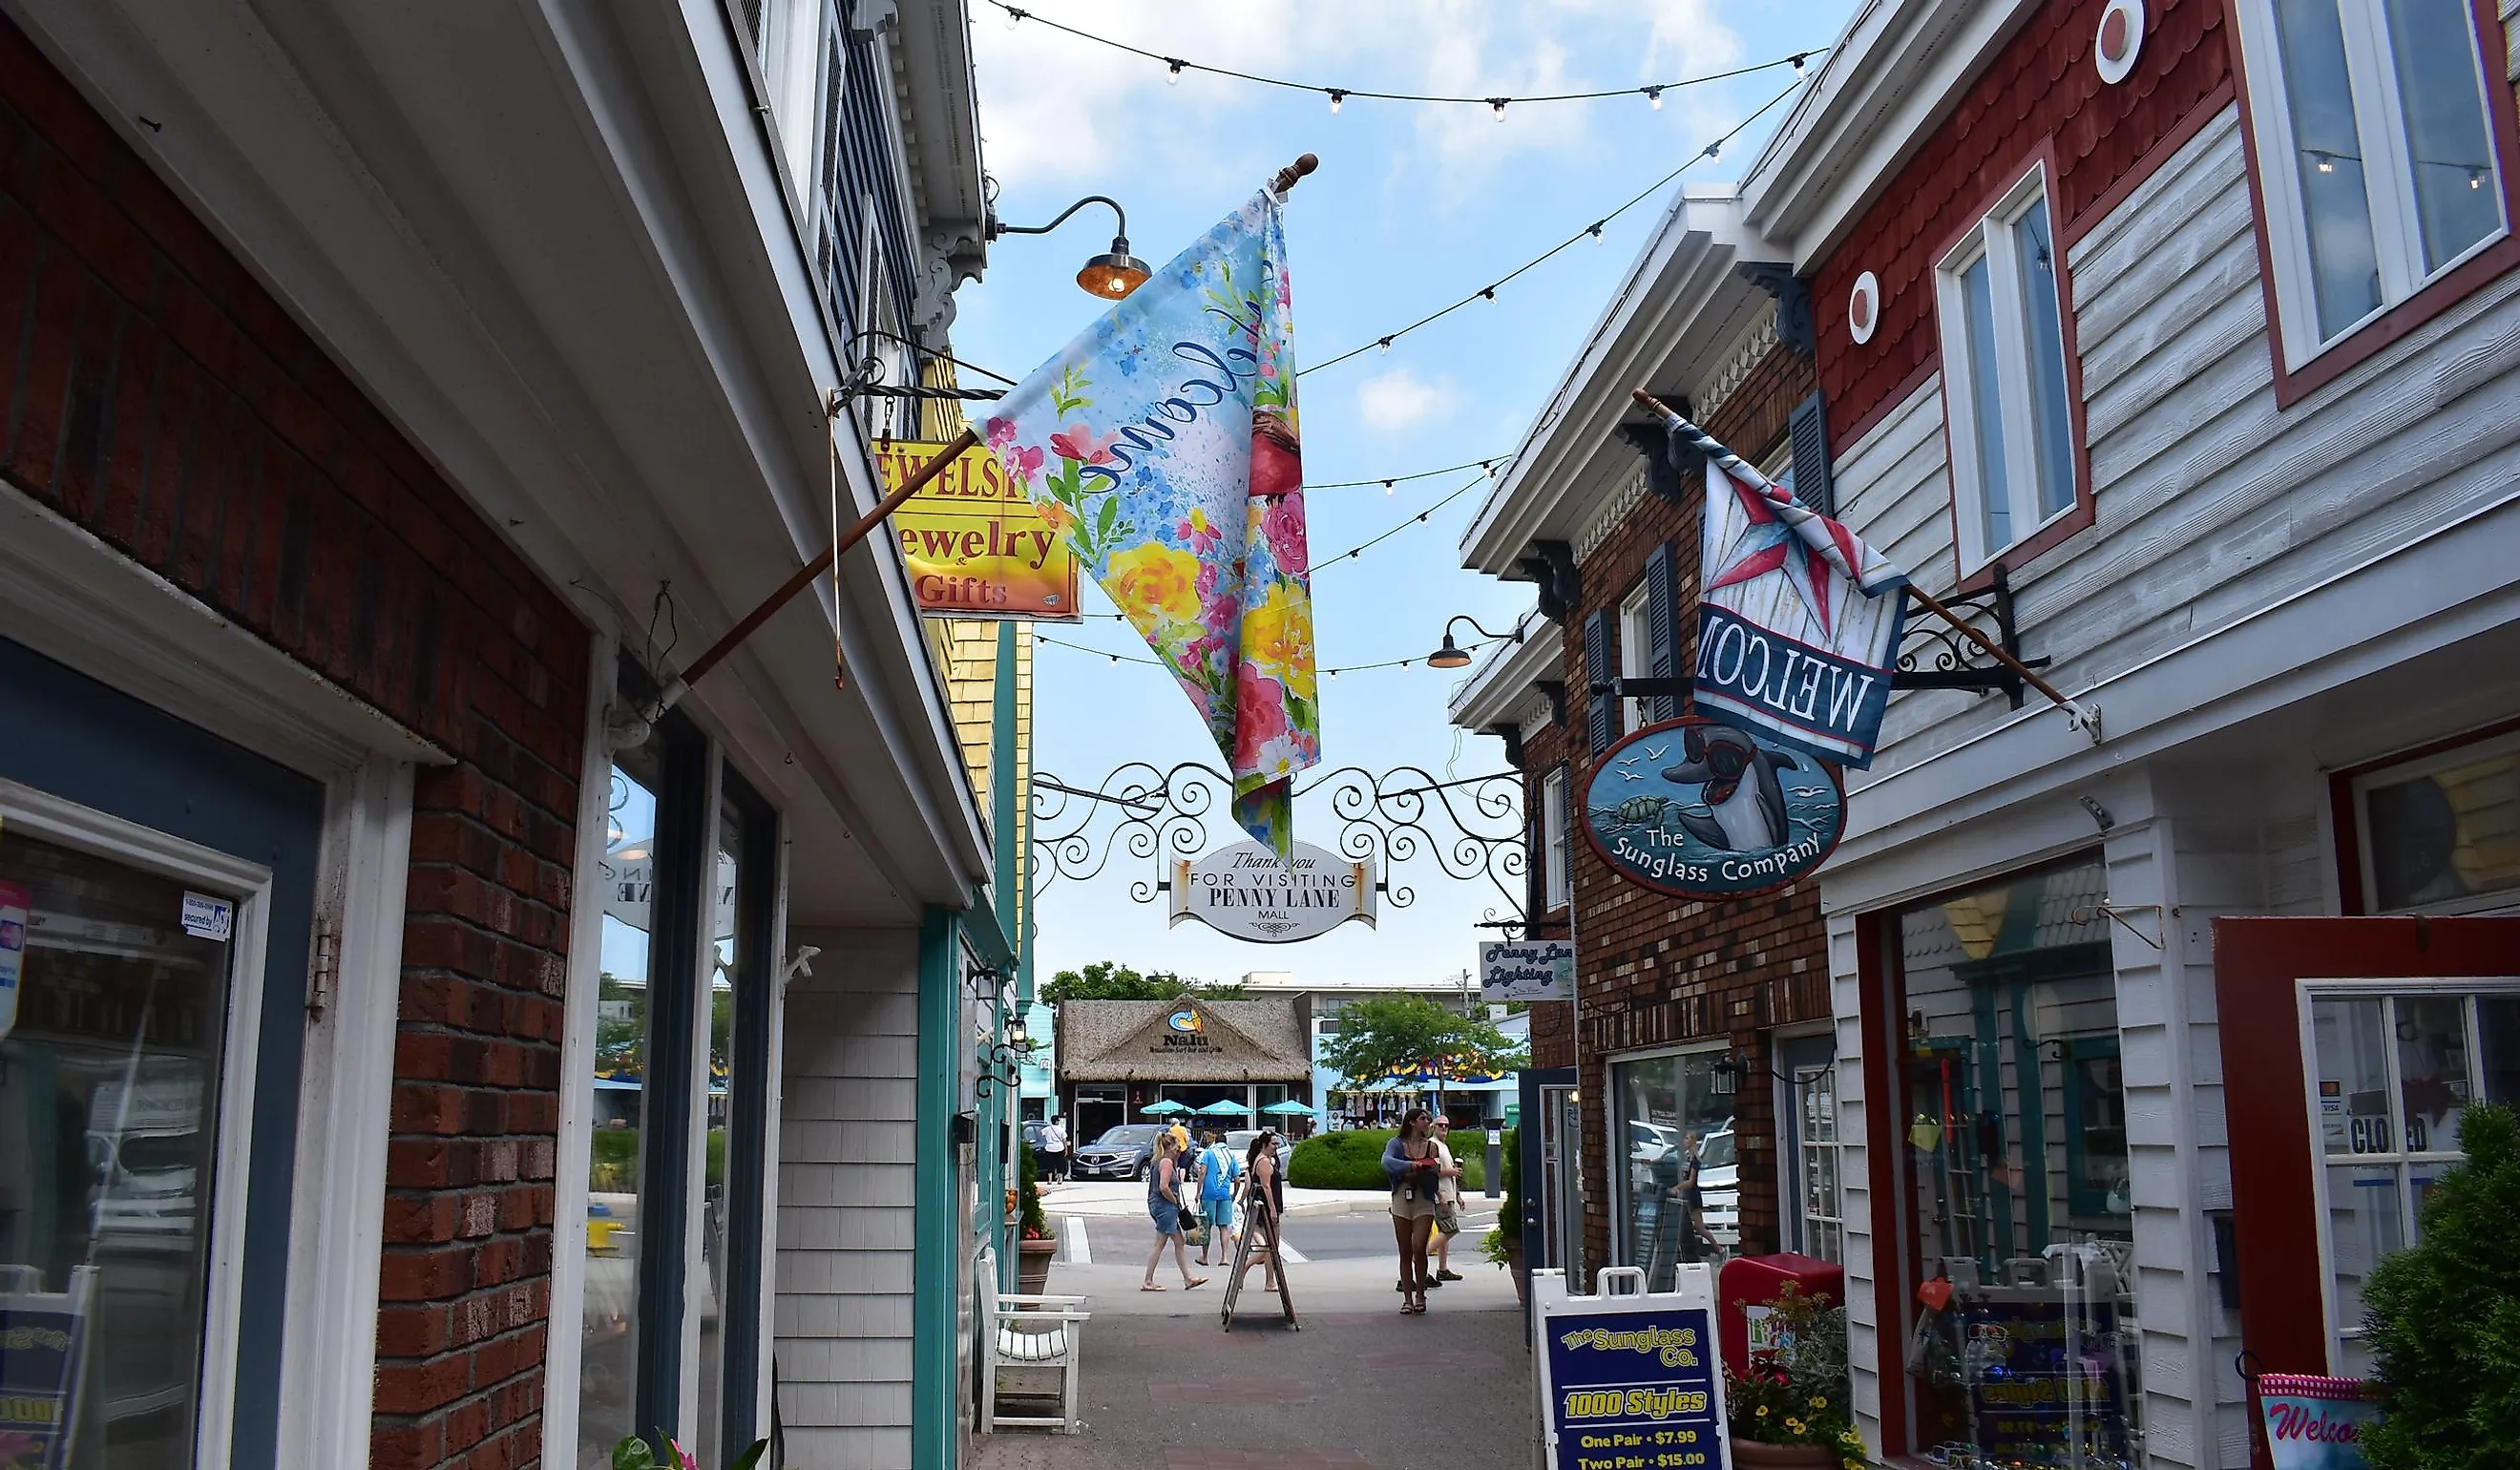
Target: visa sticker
point(208, 917)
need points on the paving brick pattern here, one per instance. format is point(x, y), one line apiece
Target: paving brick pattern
point(161, 399)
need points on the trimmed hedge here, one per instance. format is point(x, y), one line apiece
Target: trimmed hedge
point(1352, 1159)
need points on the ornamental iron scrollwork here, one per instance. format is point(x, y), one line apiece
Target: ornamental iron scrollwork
point(1470, 827)
point(1935, 655)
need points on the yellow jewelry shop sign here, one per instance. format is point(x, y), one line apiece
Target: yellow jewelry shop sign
point(975, 544)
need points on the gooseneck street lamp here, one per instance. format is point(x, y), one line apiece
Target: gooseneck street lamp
point(1111, 275)
point(1453, 655)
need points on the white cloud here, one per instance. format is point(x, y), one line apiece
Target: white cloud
point(1398, 400)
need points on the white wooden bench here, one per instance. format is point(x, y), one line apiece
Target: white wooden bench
point(1033, 1344)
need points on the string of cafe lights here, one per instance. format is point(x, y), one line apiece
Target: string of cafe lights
point(1176, 65)
point(1592, 232)
point(1347, 668)
point(1356, 553)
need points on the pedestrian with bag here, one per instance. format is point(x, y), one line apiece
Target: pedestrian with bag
point(1410, 1161)
point(1447, 1203)
point(1163, 1186)
point(1218, 1168)
point(1053, 1151)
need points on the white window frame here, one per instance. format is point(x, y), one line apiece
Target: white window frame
point(1635, 652)
point(1557, 879)
point(2396, 231)
point(2310, 990)
point(2494, 901)
point(1992, 238)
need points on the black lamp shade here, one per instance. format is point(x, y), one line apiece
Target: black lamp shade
point(1449, 657)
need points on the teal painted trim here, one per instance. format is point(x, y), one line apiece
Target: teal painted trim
point(936, 1403)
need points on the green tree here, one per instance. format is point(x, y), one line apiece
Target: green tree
point(2443, 1315)
point(1379, 1035)
point(1109, 980)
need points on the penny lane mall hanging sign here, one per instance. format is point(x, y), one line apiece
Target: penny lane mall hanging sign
point(1246, 891)
point(1700, 810)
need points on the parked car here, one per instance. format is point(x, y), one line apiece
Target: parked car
point(1719, 1186)
point(1121, 1153)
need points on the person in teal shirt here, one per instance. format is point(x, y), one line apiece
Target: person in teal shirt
point(1218, 1168)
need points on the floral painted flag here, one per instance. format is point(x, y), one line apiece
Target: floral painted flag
point(1162, 444)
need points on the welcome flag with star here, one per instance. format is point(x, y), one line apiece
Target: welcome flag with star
point(1162, 444)
point(1797, 619)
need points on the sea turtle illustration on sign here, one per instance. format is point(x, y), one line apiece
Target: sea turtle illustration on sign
point(1699, 809)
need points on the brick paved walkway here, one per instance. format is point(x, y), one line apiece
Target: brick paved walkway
point(1166, 1389)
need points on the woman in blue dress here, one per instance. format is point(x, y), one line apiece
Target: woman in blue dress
point(1163, 1189)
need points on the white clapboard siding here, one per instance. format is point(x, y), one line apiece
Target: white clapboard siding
point(2212, 504)
point(847, 1202)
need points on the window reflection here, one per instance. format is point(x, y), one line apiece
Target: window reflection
point(2016, 1156)
point(727, 961)
point(607, 1373)
point(1679, 1194)
point(110, 1075)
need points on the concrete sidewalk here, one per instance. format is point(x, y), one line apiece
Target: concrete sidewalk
point(1107, 1197)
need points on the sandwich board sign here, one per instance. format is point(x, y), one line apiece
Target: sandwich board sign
point(1629, 1379)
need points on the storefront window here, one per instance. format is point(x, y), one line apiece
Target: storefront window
point(2014, 1139)
point(2397, 1069)
point(1679, 1192)
point(2443, 833)
point(112, 1039)
point(608, 1372)
point(726, 946)
point(1816, 1221)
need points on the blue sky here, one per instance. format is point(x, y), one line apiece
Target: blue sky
point(1416, 205)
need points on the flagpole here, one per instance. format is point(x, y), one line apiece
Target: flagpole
point(674, 690)
point(1733, 464)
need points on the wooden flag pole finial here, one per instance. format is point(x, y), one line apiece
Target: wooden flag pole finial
point(2087, 717)
point(1304, 164)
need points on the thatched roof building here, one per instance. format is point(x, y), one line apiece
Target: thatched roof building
point(1183, 1040)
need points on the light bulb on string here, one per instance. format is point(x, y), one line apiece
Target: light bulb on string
point(1595, 231)
point(1336, 97)
point(1386, 487)
point(1797, 60)
point(1488, 293)
point(1498, 105)
point(1015, 17)
point(1653, 95)
point(1386, 344)
point(1172, 72)
point(1715, 148)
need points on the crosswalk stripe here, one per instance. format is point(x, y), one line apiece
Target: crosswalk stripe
point(1287, 1252)
point(1072, 1229)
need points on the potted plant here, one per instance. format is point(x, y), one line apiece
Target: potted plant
point(635, 1453)
point(1790, 1408)
point(1038, 1247)
point(2443, 1316)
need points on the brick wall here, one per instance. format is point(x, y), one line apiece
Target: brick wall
point(1656, 971)
point(163, 400)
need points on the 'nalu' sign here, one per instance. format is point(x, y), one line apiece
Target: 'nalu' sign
point(1700, 810)
point(1246, 891)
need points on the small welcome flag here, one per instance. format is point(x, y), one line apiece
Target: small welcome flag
point(1797, 620)
point(1162, 443)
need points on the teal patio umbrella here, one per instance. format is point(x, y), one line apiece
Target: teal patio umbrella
point(1227, 1109)
point(1164, 1109)
point(1289, 1108)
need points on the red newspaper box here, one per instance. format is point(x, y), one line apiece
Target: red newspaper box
point(1749, 1285)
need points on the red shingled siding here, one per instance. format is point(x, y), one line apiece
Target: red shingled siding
point(161, 399)
point(2043, 83)
point(1652, 971)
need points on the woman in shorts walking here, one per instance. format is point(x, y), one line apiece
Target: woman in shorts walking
point(1163, 1190)
point(1411, 1162)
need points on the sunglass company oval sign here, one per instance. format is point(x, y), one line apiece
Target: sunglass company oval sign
point(1697, 808)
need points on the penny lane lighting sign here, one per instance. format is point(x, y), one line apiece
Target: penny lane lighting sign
point(975, 544)
point(1246, 891)
point(1700, 810)
point(1536, 971)
point(1629, 1381)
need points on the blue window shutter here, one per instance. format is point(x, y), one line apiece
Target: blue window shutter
point(1600, 706)
point(1810, 434)
point(1662, 620)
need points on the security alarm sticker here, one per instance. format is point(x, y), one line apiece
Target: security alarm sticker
point(208, 917)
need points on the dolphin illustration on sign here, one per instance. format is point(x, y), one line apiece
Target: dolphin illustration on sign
point(1735, 814)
